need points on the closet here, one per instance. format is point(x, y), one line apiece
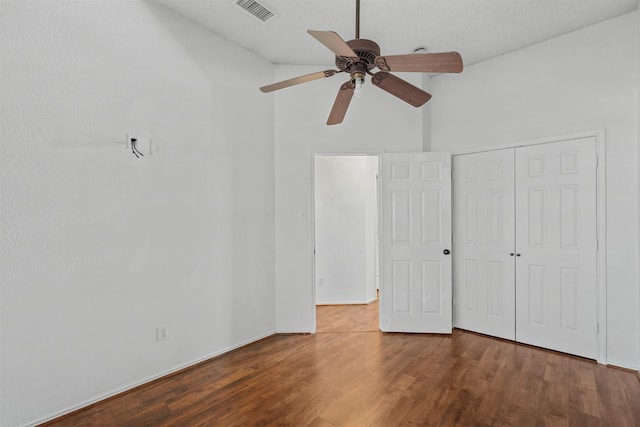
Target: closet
point(525, 244)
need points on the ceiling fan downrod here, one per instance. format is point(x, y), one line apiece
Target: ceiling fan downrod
point(357, 19)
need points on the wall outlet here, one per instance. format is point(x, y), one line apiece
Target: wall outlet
point(161, 334)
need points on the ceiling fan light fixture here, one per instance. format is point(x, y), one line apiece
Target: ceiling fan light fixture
point(357, 79)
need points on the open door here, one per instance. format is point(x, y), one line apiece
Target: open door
point(415, 262)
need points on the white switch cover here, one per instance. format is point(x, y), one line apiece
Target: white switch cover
point(156, 149)
point(161, 334)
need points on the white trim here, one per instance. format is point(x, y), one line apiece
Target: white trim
point(601, 219)
point(133, 385)
point(601, 261)
point(312, 243)
point(598, 133)
point(614, 364)
point(345, 302)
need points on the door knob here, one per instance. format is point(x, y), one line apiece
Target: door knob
point(446, 252)
point(511, 254)
point(517, 254)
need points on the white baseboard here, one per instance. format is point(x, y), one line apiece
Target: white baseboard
point(614, 363)
point(147, 380)
point(342, 302)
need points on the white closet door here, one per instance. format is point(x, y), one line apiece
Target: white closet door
point(483, 223)
point(556, 241)
point(415, 292)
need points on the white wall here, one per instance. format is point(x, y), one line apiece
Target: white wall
point(374, 123)
point(100, 248)
point(582, 81)
point(426, 115)
point(345, 191)
point(638, 28)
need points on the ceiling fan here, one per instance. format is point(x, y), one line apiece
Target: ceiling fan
point(359, 56)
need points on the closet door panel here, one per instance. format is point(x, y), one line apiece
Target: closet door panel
point(483, 223)
point(556, 244)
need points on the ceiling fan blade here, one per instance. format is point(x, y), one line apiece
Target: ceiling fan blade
point(400, 88)
point(341, 103)
point(445, 62)
point(334, 42)
point(298, 80)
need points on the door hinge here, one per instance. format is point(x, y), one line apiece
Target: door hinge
point(453, 301)
point(598, 327)
point(597, 160)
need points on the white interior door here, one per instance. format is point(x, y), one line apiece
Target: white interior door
point(415, 217)
point(556, 246)
point(484, 243)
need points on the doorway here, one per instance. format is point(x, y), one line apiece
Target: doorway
point(346, 242)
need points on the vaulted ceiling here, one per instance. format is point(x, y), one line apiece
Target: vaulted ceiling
point(478, 29)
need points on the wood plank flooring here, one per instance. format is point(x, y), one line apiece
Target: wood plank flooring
point(347, 318)
point(339, 377)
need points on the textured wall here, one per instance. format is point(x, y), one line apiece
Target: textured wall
point(582, 81)
point(100, 248)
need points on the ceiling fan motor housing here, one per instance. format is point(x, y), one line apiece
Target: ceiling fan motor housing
point(367, 51)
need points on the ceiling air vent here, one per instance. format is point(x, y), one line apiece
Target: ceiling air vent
point(258, 10)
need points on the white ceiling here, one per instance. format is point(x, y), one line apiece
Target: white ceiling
point(478, 29)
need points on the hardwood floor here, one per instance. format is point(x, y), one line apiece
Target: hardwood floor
point(347, 318)
point(362, 378)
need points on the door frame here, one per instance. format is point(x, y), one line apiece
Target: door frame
point(601, 218)
point(312, 221)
